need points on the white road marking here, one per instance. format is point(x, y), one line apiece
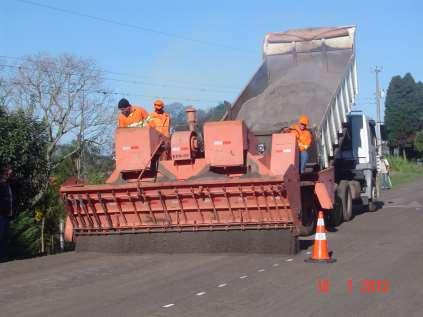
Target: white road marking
point(308, 252)
point(168, 305)
point(244, 276)
point(276, 264)
point(222, 285)
point(200, 293)
point(289, 260)
point(261, 270)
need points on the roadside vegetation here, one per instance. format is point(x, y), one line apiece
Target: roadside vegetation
point(404, 171)
point(404, 128)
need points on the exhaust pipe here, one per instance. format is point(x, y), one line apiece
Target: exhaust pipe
point(191, 113)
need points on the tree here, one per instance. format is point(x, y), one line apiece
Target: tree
point(216, 113)
point(418, 141)
point(68, 94)
point(402, 114)
point(5, 89)
point(178, 116)
point(23, 145)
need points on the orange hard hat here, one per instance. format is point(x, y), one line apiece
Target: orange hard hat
point(304, 119)
point(158, 104)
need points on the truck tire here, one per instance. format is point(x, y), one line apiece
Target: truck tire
point(344, 192)
point(337, 214)
point(372, 202)
point(307, 215)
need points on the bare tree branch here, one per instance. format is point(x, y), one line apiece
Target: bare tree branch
point(63, 92)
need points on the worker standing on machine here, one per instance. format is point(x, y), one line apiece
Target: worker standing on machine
point(159, 119)
point(304, 138)
point(131, 116)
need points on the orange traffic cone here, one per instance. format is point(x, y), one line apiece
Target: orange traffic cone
point(320, 248)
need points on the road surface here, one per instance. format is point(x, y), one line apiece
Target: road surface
point(379, 271)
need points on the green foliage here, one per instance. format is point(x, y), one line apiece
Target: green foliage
point(96, 167)
point(418, 141)
point(400, 113)
point(216, 113)
point(398, 164)
point(178, 116)
point(23, 143)
point(403, 171)
point(404, 110)
point(25, 236)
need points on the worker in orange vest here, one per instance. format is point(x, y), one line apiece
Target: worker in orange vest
point(159, 119)
point(131, 116)
point(304, 139)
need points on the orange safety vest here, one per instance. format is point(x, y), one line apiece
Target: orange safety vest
point(304, 137)
point(137, 114)
point(160, 121)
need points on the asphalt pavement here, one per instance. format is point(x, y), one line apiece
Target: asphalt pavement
point(379, 271)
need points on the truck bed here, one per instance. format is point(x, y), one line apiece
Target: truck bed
point(310, 80)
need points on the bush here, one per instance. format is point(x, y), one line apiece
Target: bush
point(398, 164)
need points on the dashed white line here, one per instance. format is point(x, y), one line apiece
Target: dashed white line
point(243, 277)
point(222, 285)
point(308, 252)
point(200, 293)
point(168, 305)
point(261, 270)
point(289, 260)
point(276, 264)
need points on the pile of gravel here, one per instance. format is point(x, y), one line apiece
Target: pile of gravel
point(305, 87)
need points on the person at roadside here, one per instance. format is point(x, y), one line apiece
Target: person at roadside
point(159, 119)
point(130, 115)
point(6, 211)
point(304, 138)
point(384, 171)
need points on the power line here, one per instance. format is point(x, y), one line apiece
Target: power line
point(133, 26)
point(157, 96)
point(104, 92)
point(223, 89)
point(167, 85)
point(143, 83)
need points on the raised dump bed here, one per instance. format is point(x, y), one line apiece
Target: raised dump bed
point(308, 71)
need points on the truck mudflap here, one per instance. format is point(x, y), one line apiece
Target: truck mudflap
point(234, 204)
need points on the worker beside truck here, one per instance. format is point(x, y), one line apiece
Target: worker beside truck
point(304, 138)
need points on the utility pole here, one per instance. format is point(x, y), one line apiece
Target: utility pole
point(377, 70)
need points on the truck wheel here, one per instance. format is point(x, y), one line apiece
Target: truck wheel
point(372, 202)
point(337, 214)
point(344, 192)
point(307, 214)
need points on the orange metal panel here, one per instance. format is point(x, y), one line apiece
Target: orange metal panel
point(323, 195)
point(68, 230)
point(327, 177)
point(182, 171)
point(284, 154)
point(134, 147)
point(225, 143)
point(180, 146)
point(178, 206)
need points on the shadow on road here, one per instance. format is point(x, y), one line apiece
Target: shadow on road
point(305, 244)
point(360, 209)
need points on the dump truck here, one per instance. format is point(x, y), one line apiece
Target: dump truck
point(235, 185)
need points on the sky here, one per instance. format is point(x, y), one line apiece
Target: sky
point(203, 52)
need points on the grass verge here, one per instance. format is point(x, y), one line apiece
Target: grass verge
point(403, 171)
